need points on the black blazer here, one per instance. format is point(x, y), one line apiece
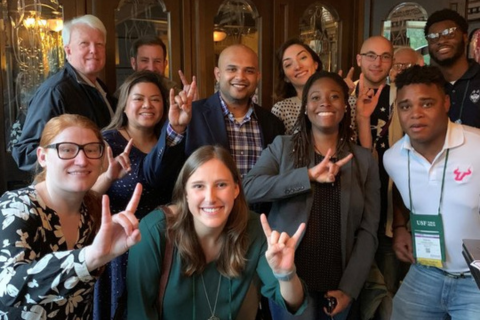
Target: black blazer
point(207, 127)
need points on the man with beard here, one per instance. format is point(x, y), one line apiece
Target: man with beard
point(447, 35)
point(228, 118)
point(150, 53)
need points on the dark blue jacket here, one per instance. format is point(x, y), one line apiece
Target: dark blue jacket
point(61, 93)
point(207, 127)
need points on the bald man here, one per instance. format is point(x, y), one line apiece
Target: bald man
point(404, 57)
point(371, 117)
point(370, 104)
point(228, 118)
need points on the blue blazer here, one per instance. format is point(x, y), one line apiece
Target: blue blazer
point(274, 179)
point(207, 127)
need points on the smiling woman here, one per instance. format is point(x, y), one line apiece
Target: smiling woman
point(296, 62)
point(336, 197)
point(218, 249)
point(56, 234)
point(135, 128)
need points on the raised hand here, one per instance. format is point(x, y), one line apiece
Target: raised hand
point(367, 99)
point(180, 112)
point(281, 247)
point(326, 170)
point(186, 84)
point(348, 79)
point(116, 234)
point(119, 166)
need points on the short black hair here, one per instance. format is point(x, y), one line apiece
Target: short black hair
point(420, 75)
point(147, 40)
point(446, 14)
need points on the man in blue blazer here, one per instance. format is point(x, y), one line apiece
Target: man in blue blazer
point(228, 118)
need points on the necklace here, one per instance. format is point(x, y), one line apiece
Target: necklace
point(128, 134)
point(213, 317)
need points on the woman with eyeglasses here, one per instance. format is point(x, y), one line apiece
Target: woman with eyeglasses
point(296, 62)
point(57, 234)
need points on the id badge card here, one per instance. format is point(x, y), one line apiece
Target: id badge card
point(428, 239)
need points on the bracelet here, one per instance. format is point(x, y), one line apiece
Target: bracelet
point(287, 276)
point(399, 226)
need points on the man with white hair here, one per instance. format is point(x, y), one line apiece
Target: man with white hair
point(74, 89)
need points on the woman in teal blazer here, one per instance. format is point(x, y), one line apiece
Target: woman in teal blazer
point(311, 177)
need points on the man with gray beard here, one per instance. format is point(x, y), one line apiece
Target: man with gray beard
point(446, 32)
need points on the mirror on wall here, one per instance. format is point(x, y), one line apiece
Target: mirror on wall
point(134, 19)
point(31, 50)
point(236, 22)
point(319, 28)
point(404, 27)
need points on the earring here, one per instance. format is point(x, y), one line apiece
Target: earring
point(305, 112)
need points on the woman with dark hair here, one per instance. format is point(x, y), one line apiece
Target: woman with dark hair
point(218, 249)
point(310, 178)
point(135, 128)
point(296, 62)
point(141, 112)
point(56, 234)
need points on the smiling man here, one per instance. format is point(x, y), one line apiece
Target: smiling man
point(447, 36)
point(373, 125)
point(434, 168)
point(75, 89)
point(228, 118)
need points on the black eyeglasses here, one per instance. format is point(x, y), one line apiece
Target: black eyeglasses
point(447, 34)
point(370, 56)
point(69, 150)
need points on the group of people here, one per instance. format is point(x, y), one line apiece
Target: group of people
point(153, 216)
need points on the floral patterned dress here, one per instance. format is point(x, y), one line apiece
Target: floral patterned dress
point(39, 277)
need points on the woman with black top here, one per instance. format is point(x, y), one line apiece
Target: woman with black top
point(311, 177)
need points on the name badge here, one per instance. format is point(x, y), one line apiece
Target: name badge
point(428, 239)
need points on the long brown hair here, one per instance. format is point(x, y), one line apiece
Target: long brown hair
point(52, 129)
point(302, 138)
point(120, 119)
point(231, 261)
point(283, 89)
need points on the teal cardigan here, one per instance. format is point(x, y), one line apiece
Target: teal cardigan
point(185, 296)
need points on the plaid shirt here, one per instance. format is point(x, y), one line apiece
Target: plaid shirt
point(173, 138)
point(244, 138)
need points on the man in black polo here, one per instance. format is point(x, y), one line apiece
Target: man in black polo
point(447, 35)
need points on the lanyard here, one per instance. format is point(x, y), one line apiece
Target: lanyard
point(459, 120)
point(441, 189)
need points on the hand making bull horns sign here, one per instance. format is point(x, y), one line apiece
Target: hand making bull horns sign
point(180, 112)
point(295, 173)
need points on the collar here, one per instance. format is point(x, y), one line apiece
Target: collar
point(226, 112)
point(472, 71)
point(453, 139)
point(354, 92)
point(82, 79)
